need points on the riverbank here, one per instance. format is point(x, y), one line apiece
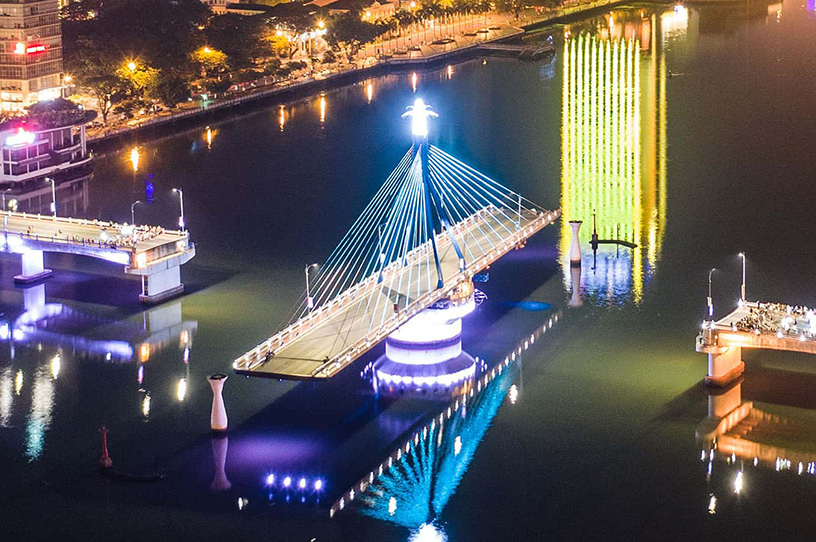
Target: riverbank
point(428, 55)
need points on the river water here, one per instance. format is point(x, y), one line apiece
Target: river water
point(687, 131)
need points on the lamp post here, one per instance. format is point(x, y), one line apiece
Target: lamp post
point(742, 288)
point(4, 197)
point(710, 302)
point(133, 211)
point(53, 196)
point(309, 300)
point(181, 205)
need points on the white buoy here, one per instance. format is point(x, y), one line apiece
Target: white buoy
point(575, 249)
point(218, 415)
point(220, 481)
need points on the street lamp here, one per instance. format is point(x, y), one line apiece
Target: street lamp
point(710, 302)
point(181, 205)
point(133, 211)
point(742, 289)
point(53, 196)
point(309, 299)
point(4, 197)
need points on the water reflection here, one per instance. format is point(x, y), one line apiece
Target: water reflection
point(739, 436)
point(613, 135)
point(46, 340)
point(412, 485)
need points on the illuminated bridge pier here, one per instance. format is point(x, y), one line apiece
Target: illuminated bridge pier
point(771, 326)
point(153, 253)
point(433, 225)
point(426, 352)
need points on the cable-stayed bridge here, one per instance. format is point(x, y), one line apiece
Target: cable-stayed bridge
point(415, 248)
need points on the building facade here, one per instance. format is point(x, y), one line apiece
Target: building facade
point(30, 53)
point(30, 153)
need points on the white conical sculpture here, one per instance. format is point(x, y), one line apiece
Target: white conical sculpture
point(575, 276)
point(219, 451)
point(575, 249)
point(218, 415)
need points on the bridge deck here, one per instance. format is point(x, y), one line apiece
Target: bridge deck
point(337, 333)
point(763, 325)
point(81, 236)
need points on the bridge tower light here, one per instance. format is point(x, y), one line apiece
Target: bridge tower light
point(419, 113)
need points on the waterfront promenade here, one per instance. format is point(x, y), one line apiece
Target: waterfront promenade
point(495, 26)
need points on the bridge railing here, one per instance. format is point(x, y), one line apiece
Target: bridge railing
point(259, 354)
point(334, 365)
point(116, 241)
point(321, 313)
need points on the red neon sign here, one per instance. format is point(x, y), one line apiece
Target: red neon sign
point(21, 49)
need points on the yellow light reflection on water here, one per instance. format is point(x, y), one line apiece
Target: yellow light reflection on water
point(209, 135)
point(322, 109)
point(181, 389)
point(6, 396)
point(134, 159)
point(414, 81)
point(369, 92)
point(56, 364)
point(146, 405)
point(613, 152)
point(281, 117)
point(18, 382)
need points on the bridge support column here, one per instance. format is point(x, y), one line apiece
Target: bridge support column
point(33, 268)
point(161, 285)
point(724, 367)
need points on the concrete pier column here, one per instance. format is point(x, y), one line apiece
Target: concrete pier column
point(575, 276)
point(575, 248)
point(220, 481)
point(218, 414)
point(161, 285)
point(724, 367)
point(33, 268)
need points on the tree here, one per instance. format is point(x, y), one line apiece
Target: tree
point(211, 60)
point(280, 44)
point(92, 61)
point(245, 40)
point(140, 77)
point(107, 89)
point(81, 10)
point(349, 31)
point(170, 88)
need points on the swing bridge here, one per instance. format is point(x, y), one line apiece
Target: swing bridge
point(431, 227)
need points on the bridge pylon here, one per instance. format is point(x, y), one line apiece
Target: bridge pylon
point(434, 205)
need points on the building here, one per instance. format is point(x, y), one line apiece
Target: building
point(30, 53)
point(368, 11)
point(219, 7)
point(49, 145)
